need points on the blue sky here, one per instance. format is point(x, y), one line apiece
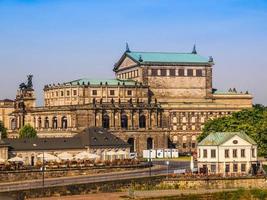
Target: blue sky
point(62, 40)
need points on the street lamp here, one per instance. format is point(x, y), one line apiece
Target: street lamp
point(167, 163)
point(43, 169)
point(149, 162)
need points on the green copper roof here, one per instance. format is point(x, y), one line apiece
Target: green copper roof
point(104, 81)
point(218, 138)
point(161, 57)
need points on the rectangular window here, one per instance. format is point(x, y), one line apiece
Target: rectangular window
point(112, 92)
point(74, 92)
point(226, 153)
point(163, 72)
point(213, 153)
point(234, 153)
point(94, 92)
point(205, 153)
point(227, 168)
point(184, 145)
point(181, 72)
point(243, 167)
point(68, 93)
point(129, 92)
point(57, 94)
point(253, 153)
point(213, 168)
point(62, 93)
point(235, 167)
point(193, 145)
point(190, 72)
point(243, 153)
point(172, 72)
point(199, 72)
point(154, 72)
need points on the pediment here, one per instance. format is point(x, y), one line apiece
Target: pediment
point(125, 62)
point(236, 141)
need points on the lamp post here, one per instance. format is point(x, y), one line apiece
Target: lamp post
point(43, 169)
point(149, 162)
point(167, 163)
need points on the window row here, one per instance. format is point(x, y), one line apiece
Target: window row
point(123, 121)
point(61, 93)
point(176, 72)
point(227, 153)
point(235, 166)
point(94, 93)
point(126, 75)
point(52, 124)
point(112, 92)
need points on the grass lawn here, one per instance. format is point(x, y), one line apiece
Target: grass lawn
point(265, 168)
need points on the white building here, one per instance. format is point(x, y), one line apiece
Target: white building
point(227, 152)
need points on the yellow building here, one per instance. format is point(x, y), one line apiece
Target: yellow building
point(157, 100)
point(6, 108)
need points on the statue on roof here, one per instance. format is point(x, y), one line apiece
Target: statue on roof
point(194, 51)
point(127, 47)
point(28, 85)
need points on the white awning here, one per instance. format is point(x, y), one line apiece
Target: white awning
point(65, 156)
point(86, 155)
point(16, 159)
point(48, 157)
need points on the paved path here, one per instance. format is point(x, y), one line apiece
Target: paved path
point(138, 194)
point(60, 181)
point(164, 193)
point(100, 196)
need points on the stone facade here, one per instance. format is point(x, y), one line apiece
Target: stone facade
point(151, 103)
point(6, 108)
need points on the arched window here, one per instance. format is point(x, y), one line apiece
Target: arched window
point(13, 124)
point(105, 121)
point(64, 122)
point(46, 122)
point(39, 122)
point(124, 121)
point(131, 143)
point(54, 123)
point(149, 143)
point(142, 121)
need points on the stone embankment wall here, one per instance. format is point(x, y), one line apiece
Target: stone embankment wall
point(9, 176)
point(152, 183)
point(215, 183)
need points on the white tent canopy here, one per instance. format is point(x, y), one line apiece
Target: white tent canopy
point(48, 157)
point(86, 155)
point(121, 152)
point(111, 153)
point(65, 156)
point(16, 159)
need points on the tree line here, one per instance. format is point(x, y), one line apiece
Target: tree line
point(252, 121)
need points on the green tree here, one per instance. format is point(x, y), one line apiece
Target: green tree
point(3, 130)
point(252, 121)
point(27, 131)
